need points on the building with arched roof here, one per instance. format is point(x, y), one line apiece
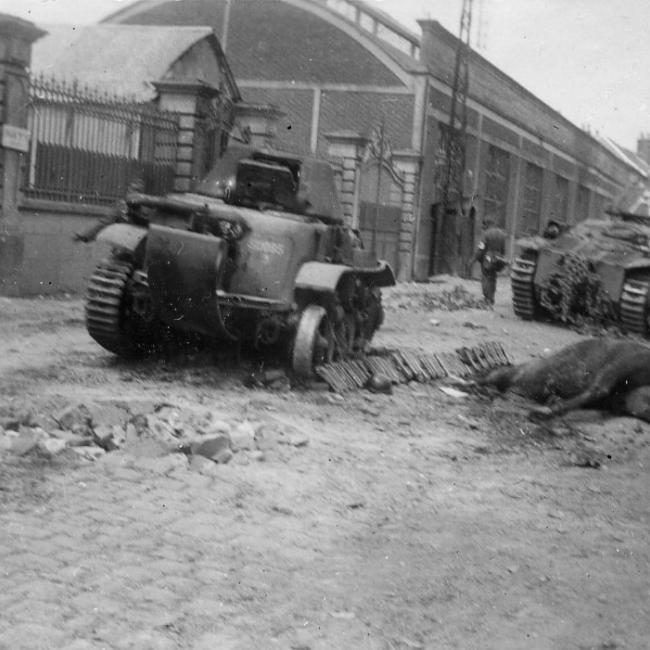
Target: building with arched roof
point(103, 58)
point(356, 85)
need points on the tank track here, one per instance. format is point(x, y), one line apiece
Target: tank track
point(404, 366)
point(105, 308)
point(633, 310)
point(523, 290)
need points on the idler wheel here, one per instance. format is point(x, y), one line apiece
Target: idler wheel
point(314, 343)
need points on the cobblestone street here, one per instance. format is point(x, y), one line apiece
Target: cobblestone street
point(133, 557)
point(382, 522)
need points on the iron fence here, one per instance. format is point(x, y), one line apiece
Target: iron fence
point(87, 145)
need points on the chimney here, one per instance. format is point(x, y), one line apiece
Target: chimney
point(643, 147)
point(427, 42)
point(438, 49)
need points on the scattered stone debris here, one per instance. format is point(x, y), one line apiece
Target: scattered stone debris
point(76, 419)
point(453, 392)
point(275, 379)
point(585, 458)
point(217, 449)
point(447, 300)
point(203, 439)
point(473, 326)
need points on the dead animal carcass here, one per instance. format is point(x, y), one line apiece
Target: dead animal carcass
point(595, 373)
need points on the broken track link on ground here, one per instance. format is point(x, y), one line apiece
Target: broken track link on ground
point(403, 366)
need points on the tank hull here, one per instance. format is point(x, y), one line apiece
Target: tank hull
point(612, 254)
point(258, 266)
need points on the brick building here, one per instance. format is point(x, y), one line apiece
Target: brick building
point(353, 84)
point(337, 82)
point(356, 85)
point(82, 114)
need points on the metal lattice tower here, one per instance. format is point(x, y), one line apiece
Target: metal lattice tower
point(455, 153)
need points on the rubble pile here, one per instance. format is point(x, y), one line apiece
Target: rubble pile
point(199, 439)
point(453, 300)
point(423, 297)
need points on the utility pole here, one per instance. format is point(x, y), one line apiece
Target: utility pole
point(452, 189)
point(224, 27)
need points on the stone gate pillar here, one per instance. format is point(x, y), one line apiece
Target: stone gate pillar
point(348, 147)
point(190, 100)
point(407, 163)
point(16, 38)
point(258, 121)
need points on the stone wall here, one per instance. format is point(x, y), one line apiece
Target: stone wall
point(37, 251)
point(52, 261)
point(16, 38)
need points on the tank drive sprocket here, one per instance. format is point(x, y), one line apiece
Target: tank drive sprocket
point(524, 301)
point(110, 317)
point(633, 306)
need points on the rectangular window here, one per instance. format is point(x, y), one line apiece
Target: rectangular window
point(366, 22)
point(599, 206)
point(532, 205)
point(560, 205)
point(582, 204)
point(497, 180)
point(444, 173)
point(344, 8)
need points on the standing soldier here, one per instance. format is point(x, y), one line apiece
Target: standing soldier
point(491, 256)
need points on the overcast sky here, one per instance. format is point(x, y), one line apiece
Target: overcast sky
point(589, 59)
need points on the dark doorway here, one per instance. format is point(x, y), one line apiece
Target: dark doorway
point(452, 240)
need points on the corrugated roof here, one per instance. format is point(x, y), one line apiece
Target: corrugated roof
point(123, 59)
point(279, 40)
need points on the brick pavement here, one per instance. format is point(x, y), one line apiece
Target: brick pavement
point(118, 556)
point(369, 539)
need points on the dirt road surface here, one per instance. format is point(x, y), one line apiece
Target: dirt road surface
point(369, 521)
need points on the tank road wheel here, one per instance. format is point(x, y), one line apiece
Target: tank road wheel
point(634, 300)
point(314, 343)
point(345, 335)
point(374, 313)
point(524, 302)
point(110, 319)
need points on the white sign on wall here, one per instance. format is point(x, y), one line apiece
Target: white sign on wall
point(13, 137)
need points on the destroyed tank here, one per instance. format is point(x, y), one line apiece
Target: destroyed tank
point(616, 252)
point(258, 255)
